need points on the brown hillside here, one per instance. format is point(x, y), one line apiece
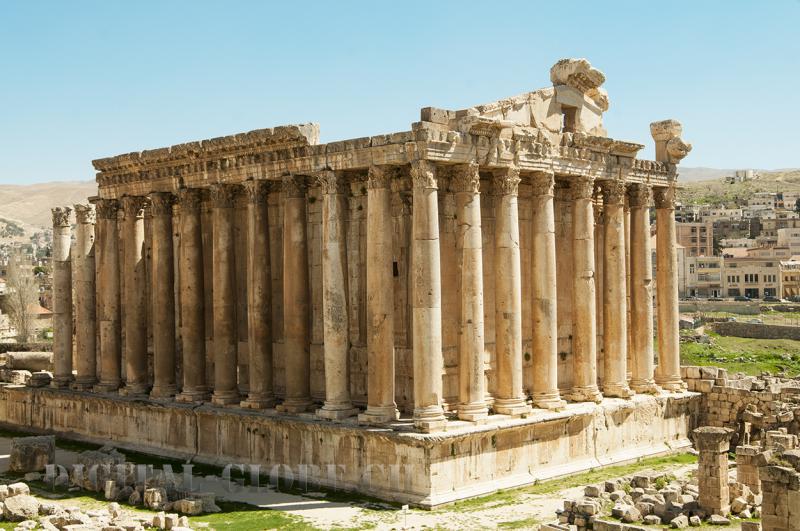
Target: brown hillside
point(31, 204)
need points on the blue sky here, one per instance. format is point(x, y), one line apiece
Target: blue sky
point(81, 79)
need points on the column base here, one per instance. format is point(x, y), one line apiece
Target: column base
point(474, 412)
point(163, 391)
point(107, 387)
point(379, 415)
point(672, 384)
point(511, 406)
point(258, 401)
point(61, 382)
point(551, 400)
point(134, 389)
point(645, 386)
point(226, 398)
point(192, 396)
point(295, 405)
point(617, 390)
point(337, 411)
point(83, 384)
point(585, 393)
point(430, 418)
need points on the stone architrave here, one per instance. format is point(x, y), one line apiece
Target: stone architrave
point(134, 314)
point(337, 404)
point(62, 298)
point(83, 280)
point(544, 384)
point(108, 296)
point(426, 299)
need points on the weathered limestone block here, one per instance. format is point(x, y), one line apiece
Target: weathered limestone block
point(30, 361)
point(576, 73)
point(20, 507)
point(32, 454)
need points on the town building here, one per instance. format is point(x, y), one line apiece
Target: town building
point(697, 238)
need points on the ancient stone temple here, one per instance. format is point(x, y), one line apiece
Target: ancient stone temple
point(440, 312)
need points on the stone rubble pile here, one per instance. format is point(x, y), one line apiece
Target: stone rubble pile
point(33, 369)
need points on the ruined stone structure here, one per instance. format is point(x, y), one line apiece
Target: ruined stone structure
point(486, 276)
point(712, 444)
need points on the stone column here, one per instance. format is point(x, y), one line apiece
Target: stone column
point(543, 293)
point(747, 459)
point(712, 468)
point(641, 291)
point(108, 296)
point(780, 508)
point(163, 296)
point(296, 297)
point(381, 406)
point(226, 391)
point(337, 404)
point(192, 298)
point(668, 375)
point(134, 297)
point(584, 331)
point(259, 298)
point(615, 304)
point(472, 387)
point(509, 397)
point(85, 300)
point(426, 305)
point(62, 298)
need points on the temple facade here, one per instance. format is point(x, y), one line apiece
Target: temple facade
point(490, 267)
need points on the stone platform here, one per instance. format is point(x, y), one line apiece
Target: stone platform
point(397, 463)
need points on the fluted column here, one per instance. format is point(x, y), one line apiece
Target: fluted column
point(584, 329)
point(259, 298)
point(337, 404)
point(85, 300)
point(226, 391)
point(668, 375)
point(544, 384)
point(426, 299)
point(615, 304)
point(509, 396)
point(192, 298)
point(641, 291)
point(108, 295)
point(163, 296)
point(296, 297)
point(465, 184)
point(134, 297)
point(381, 406)
point(62, 298)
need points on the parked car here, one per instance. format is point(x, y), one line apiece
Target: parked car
point(716, 299)
point(771, 299)
point(755, 321)
point(742, 298)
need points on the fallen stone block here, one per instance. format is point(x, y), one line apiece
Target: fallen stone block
point(29, 361)
point(679, 522)
point(16, 489)
point(718, 520)
point(20, 507)
point(32, 454)
point(189, 507)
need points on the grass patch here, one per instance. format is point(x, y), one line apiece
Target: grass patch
point(741, 354)
point(525, 523)
point(509, 496)
point(243, 517)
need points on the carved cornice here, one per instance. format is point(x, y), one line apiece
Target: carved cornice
point(85, 214)
point(107, 209)
point(295, 185)
point(190, 199)
point(61, 216)
point(639, 195)
point(161, 203)
point(582, 188)
point(380, 176)
point(543, 184)
point(257, 191)
point(332, 183)
point(465, 178)
point(664, 197)
point(613, 192)
point(423, 174)
point(506, 181)
point(224, 195)
point(133, 206)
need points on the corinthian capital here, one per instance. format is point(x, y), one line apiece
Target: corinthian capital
point(190, 199)
point(133, 206)
point(423, 174)
point(107, 208)
point(639, 195)
point(506, 181)
point(294, 185)
point(379, 177)
point(161, 203)
point(61, 216)
point(331, 183)
point(582, 188)
point(465, 178)
point(85, 214)
point(613, 192)
point(224, 195)
point(256, 191)
point(543, 183)
point(664, 197)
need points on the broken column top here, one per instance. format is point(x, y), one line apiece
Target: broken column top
point(711, 438)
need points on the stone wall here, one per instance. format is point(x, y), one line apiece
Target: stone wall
point(742, 308)
point(757, 331)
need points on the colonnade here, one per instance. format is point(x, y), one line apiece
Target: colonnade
point(101, 304)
